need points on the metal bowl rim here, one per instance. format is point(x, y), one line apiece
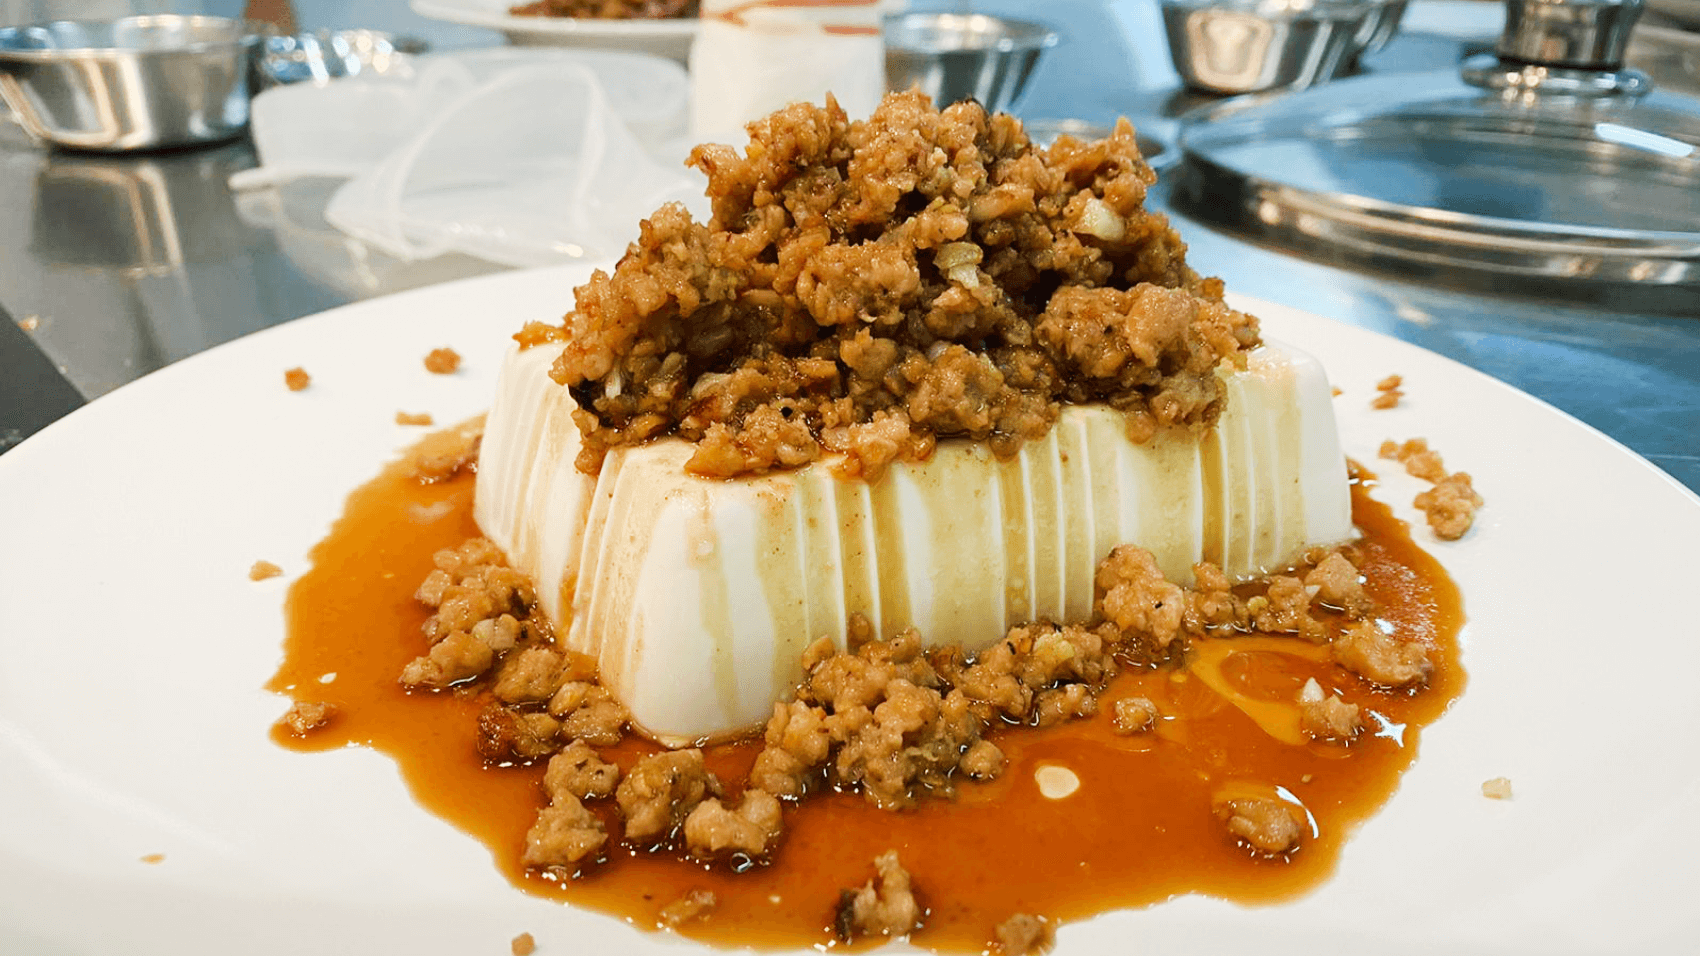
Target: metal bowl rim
point(248, 33)
point(1034, 34)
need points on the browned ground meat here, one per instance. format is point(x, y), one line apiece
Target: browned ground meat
point(713, 829)
point(1339, 585)
point(306, 716)
point(578, 770)
point(1387, 393)
point(1267, 824)
point(1372, 653)
point(1132, 715)
point(692, 905)
point(444, 454)
point(1212, 607)
point(869, 287)
point(1419, 460)
point(1450, 506)
point(661, 790)
point(1023, 935)
point(564, 834)
point(483, 609)
point(884, 906)
point(297, 379)
point(1284, 608)
point(1327, 716)
point(589, 713)
point(607, 9)
point(442, 361)
point(1138, 599)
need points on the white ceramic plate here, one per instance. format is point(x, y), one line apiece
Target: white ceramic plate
point(669, 38)
point(133, 648)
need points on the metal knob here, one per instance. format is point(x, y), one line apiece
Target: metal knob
point(1574, 34)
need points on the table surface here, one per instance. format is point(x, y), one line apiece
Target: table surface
point(113, 267)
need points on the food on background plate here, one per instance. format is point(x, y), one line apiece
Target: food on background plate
point(922, 514)
point(607, 9)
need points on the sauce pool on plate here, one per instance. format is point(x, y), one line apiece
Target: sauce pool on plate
point(1082, 821)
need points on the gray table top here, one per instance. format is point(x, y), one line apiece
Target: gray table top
point(117, 266)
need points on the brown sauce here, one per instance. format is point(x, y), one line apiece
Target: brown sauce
point(1138, 830)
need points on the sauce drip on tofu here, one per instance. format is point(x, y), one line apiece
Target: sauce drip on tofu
point(1082, 821)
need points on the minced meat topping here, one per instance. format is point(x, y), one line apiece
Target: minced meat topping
point(866, 288)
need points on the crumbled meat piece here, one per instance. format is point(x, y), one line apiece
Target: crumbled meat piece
point(1284, 608)
point(1212, 607)
point(1268, 824)
point(982, 761)
point(661, 790)
point(564, 834)
point(692, 905)
point(297, 379)
point(442, 361)
point(483, 610)
point(1419, 460)
point(523, 945)
point(306, 716)
point(1132, 715)
point(1368, 651)
point(445, 454)
point(865, 288)
point(712, 828)
point(578, 770)
point(1058, 704)
point(508, 735)
point(1137, 598)
point(1499, 788)
point(1387, 393)
point(589, 713)
point(884, 906)
point(455, 658)
point(797, 742)
point(408, 418)
point(1339, 585)
point(1024, 935)
point(1326, 716)
point(531, 675)
point(262, 570)
point(1450, 506)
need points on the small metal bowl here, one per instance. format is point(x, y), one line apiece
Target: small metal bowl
point(132, 83)
point(955, 57)
point(1248, 46)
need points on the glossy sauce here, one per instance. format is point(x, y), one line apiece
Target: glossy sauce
point(1138, 830)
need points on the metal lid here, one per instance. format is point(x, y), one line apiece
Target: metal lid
point(1553, 163)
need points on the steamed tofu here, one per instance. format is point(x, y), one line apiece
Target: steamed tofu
point(697, 596)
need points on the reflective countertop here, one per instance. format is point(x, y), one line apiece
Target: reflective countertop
point(113, 267)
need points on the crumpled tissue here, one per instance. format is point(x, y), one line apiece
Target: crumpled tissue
point(521, 157)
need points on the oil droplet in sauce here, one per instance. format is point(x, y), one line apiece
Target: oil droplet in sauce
point(1136, 826)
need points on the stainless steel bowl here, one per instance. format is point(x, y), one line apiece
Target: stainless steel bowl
point(1247, 46)
point(129, 84)
point(953, 56)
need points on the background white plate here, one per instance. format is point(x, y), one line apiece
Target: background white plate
point(669, 38)
point(133, 648)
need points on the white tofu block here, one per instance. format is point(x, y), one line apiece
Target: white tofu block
point(697, 596)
